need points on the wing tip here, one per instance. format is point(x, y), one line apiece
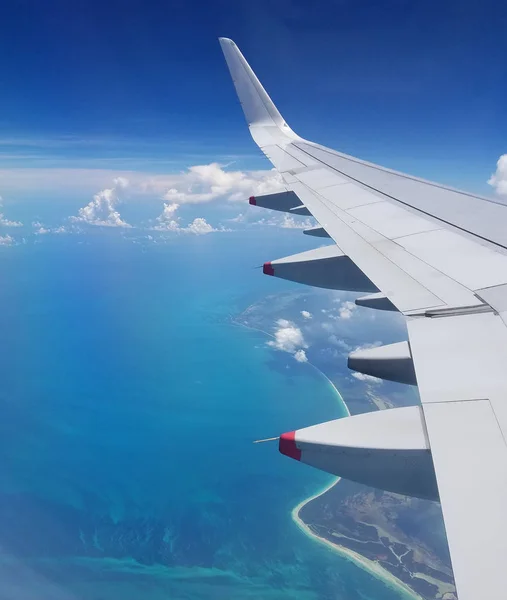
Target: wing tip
point(287, 445)
point(258, 107)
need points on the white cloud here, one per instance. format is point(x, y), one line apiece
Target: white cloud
point(499, 178)
point(6, 222)
point(289, 338)
point(367, 378)
point(346, 309)
point(289, 222)
point(300, 356)
point(342, 344)
point(200, 226)
point(39, 228)
point(198, 183)
point(241, 218)
point(306, 314)
point(102, 209)
point(381, 402)
point(120, 182)
point(367, 346)
point(283, 220)
point(6, 240)
point(168, 221)
point(204, 183)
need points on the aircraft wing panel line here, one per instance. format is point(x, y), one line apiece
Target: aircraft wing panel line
point(470, 460)
point(386, 263)
point(301, 146)
point(498, 210)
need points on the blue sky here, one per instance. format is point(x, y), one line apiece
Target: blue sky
point(142, 85)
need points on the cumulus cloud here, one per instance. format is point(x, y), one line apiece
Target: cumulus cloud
point(300, 356)
point(6, 240)
point(366, 378)
point(306, 314)
point(289, 222)
point(241, 218)
point(499, 178)
point(367, 346)
point(120, 182)
point(6, 222)
point(381, 402)
point(204, 183)
point(39, 228)
point(102, 210)
point(283, 220)
point(342, 344)
point(289, 338)
point(200, 226)
point(346, 309)
point(168, 221)
point(197, 184)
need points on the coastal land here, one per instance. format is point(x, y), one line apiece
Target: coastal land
point(397, 539)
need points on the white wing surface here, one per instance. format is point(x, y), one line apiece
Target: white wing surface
point(439, 256)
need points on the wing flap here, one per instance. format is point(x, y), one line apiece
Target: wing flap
point(471, 264)
point(470, 460)
point(461, 357)
point(460, 367)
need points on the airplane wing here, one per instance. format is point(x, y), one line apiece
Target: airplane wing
point(438, 256)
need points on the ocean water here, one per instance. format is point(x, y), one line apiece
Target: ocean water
point(129, 404)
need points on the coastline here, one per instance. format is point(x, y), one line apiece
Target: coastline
point(368, 565)
point(372, 567)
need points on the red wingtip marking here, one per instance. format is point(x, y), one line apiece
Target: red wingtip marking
point(252, 201)
point(267, 269)
point(287, 445)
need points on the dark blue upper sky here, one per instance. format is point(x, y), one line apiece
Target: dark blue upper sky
point(400, 82)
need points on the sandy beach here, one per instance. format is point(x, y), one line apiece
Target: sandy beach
point(371, 566)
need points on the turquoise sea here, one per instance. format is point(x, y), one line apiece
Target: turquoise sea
point(129, 404)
